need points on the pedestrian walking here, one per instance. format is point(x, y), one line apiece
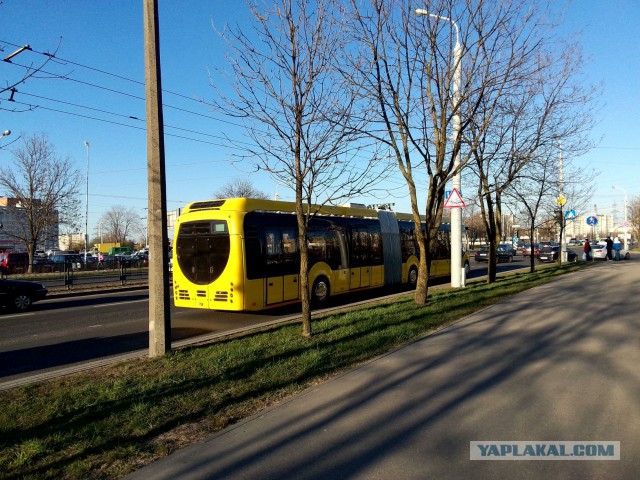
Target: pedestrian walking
point(617, 246)
point(587, 251)
point(609, 242)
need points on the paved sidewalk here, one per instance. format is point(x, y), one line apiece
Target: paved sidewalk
point(557, 363)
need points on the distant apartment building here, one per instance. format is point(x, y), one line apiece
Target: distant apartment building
point(71, 241)
point(172, 219)
point(580, 229)
point(12, 226)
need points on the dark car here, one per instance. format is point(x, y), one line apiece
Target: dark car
point(526, 250)
point(68, 260)
point(510, 247)
point(482, 254)
point(549, 253)
point(19, 294)
point(504, 254)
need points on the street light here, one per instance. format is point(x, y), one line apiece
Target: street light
point(86, 216)
point(6, 133)
point(456, 213)
point(626, 224)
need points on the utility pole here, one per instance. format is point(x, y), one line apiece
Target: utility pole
point(159, 312)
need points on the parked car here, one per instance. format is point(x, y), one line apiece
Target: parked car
point(482, 254)
point(19, 295)
point(14, 262)
point(599, 252)
point(504, 254)
point(73, 261)
point(509, 247)
point(526, 250)
point(549, 253)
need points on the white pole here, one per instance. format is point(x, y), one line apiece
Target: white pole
point(626, 231)
point(86, 216)
point(456, 213)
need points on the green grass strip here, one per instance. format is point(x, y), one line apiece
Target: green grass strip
point(111, 421)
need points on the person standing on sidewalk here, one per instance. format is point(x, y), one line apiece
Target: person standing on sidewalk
point(609, 242)
point(617, 246)
point(587, 250)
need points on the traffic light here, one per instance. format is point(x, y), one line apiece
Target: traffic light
point(559, 217)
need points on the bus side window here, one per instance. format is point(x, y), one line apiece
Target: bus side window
point(280, 251)
point(443, 242)
point(255, 259)
point(376, 247)
point(408, 242)
point(271, 246)
point(360, 246)
point(324, 247)
point(290, 264)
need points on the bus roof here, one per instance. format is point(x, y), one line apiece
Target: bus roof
point(253, 205)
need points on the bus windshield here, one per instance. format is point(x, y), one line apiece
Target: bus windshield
point(202, 250)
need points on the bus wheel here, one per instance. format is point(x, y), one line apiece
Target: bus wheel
point(413, 277)
point(320, 292)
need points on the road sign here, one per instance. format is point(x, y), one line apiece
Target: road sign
point(515, 239)
point(454, 200)
point(592, 221)
point(570, 215)
point(561, 200)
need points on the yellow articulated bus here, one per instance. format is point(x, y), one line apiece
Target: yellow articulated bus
point(242, 254)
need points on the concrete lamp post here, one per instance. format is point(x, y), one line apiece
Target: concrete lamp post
point(456, 213)
point(626, 224)
point(86, 216)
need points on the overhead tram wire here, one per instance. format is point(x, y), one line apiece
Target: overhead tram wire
point(61, 61)
point(31, 106)
point(137, 82)
point(121, 115)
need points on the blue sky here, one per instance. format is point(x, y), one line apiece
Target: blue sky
point(108, 36)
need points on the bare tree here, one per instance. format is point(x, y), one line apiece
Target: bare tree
point(238, 188)
point(120, 223)
point(297, 110)
point(536, 190)
point(45, 190)
point(422, 74)
point(545, 103)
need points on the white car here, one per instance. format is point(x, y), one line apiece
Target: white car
point(599, 252)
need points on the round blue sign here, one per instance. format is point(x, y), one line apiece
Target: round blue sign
point(592, 220)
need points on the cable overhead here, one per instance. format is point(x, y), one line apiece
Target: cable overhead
point(62, 61)
point(137, 97)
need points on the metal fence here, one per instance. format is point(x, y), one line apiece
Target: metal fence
point(72, 275)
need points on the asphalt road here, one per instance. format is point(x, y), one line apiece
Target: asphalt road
point(66, 332)
point(63, 332)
